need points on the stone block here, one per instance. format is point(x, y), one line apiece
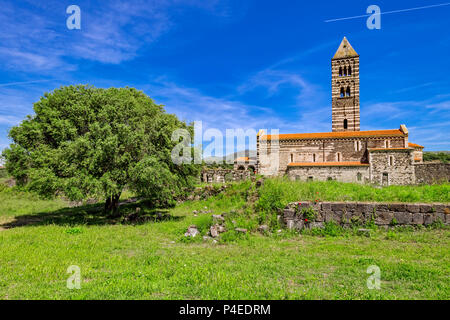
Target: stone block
point(398, 207)
point(290, 224)
point(403, 217)
point(327, 216)
point(381, 207)
point(413, 208)
point(384, 218)
point(351, 206)
point(438, 207)
point(326, 206)
point(288, 213)
point(365, 207)
point(428, 218)
point(426, 208)
point(417, 218)
point(338, 206)
point(299, 224)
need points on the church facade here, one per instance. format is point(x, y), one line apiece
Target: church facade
point(345, 154)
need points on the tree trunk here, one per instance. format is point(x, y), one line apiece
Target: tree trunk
point(112, 204)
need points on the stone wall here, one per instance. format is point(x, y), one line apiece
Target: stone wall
point(392, 167)
point(224, 175)
point(356, 174)
point(428, 173)
point(382, 214)
point(274, 160)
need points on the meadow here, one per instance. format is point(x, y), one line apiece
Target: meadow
point(151, 259)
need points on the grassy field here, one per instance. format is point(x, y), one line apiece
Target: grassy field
point(40, 239)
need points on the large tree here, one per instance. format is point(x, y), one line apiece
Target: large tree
point(91, 142)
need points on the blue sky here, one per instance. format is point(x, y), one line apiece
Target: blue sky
point(234, 64)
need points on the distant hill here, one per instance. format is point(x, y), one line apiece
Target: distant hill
point(245, 153)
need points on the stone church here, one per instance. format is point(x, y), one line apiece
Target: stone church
point(345, 154)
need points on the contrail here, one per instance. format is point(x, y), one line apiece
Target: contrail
point(24, 82)
point(390, 12)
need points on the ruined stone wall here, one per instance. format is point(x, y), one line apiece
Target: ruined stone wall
point(224, 175)
point(399, 172)
point(429, 173)
point(382, 214)
point(356, 174)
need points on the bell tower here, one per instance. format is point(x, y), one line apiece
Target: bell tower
point(345, 88)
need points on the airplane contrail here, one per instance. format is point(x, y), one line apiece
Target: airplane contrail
point(390, 12)
point(23, 82)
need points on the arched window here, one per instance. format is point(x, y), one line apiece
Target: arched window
point(349, 71)
point(345, 124)
point(342, 93)
point(292, 158)
point(340, 71)
point(347, 93)
point(345, 71)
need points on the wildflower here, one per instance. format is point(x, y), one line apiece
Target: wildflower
point(306, 220)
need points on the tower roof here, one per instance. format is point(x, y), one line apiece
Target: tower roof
point(345, 50)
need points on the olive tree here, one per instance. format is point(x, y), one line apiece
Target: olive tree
point(92, 142)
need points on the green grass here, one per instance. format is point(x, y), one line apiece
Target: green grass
point(277, 193)
point(42, 238)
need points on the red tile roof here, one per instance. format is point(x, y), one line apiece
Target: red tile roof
point(344, 134)
point(327, 164)
point(414, 145)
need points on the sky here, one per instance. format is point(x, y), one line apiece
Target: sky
point(235, 63)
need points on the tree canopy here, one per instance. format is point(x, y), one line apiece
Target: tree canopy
point(91, 142)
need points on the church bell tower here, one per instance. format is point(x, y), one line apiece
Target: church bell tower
point(345, 88)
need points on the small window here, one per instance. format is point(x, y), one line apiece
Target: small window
point(292, 158)
point(340, 71)
point(314, 157)
point(359, 176)
point(347, 93)
point(349, 71)
point(345, 71)
point(345, 124)
point(386, 144)
point(391, 160)
point(338, 156)
point(342, 93)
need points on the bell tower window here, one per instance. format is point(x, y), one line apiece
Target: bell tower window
point(345, 124)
